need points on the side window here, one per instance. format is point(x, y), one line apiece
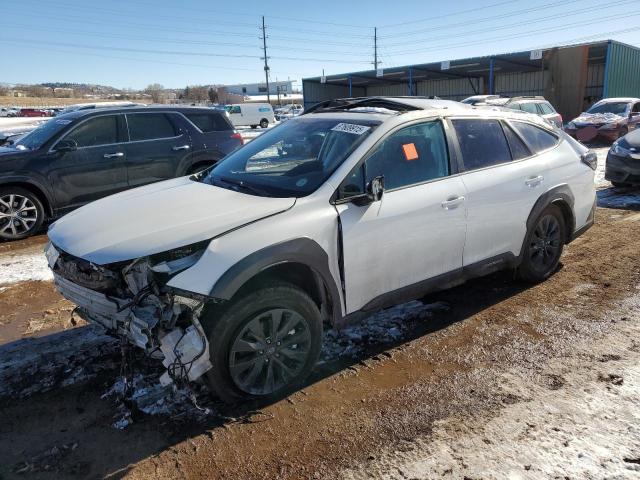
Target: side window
point(411, 155)
point(95, 131)
point(547, 109)
point(208, 122)
point(149, 126)
point(636, 108)
point(482, 143)
point(537, 138)
point(518, 148)
point(529, 107)
point(235, 109)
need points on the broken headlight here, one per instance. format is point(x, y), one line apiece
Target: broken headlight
point(178, 259)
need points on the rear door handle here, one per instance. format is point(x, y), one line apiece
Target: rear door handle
point(534, 181)
point(113, 155)
point(452, 202)
point(181, 147)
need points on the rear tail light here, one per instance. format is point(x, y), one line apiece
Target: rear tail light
point(237, 136)
point(590, 159)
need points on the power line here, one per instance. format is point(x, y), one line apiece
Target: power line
point(181, 53)
point(23, 27)
point(487, 18)
point(502, 38)
point(517, 24)
point(244, 14)
point(453, 14)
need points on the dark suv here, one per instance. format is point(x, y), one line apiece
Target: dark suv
point(82, 156)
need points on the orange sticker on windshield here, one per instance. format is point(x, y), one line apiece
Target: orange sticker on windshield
point(410, 152)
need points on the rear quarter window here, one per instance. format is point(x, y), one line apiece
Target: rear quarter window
point(482, 143)
point(529, 107)
point(149, 126)
point(537, 138)
point(209, 122)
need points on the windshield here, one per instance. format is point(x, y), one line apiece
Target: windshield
point(38, 137)
point(293, 159)
point(617, 108)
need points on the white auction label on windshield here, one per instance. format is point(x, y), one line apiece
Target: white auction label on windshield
point(351, 128)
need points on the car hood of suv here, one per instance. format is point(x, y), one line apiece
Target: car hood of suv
point(157, 218)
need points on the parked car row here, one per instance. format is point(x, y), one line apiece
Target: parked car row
point(85, 155)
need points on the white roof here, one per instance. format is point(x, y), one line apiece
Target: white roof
point(619, 99)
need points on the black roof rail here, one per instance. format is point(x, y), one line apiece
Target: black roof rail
point(345, 104)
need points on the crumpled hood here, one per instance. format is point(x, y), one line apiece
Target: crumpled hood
point(597, 118)
point(157, 218)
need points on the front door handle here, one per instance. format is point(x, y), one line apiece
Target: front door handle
point(534, 181)
point(113, 155)
point(452, 202)
point(181, 147)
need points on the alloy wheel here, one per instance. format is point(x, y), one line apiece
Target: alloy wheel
point(18, 214)
point(545, 243)
point(270, 351)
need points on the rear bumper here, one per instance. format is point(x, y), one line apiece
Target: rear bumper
point(622, 169)
point(588, 224)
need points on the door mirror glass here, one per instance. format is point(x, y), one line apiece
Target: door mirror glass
point(375, 189)
point(66, 145)
point(373, 193)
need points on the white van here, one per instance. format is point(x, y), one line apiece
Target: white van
point(251, 114)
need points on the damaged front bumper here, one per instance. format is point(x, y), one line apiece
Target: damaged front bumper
point(129, 303)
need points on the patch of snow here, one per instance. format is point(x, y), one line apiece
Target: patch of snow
point(24, 267)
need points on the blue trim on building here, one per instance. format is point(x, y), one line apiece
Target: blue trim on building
point(605, 88)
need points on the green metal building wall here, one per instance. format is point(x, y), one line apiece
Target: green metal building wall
point(622, 71)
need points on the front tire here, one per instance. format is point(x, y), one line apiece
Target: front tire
point(21, 213)
point(543, 246)
point(264, 123)
point(264, 344)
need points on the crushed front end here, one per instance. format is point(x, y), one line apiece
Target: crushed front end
point(131, 301)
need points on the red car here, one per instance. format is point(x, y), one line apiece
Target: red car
point(32, 112)
point(608, 120)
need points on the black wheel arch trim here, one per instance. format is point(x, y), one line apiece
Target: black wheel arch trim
point(560, 193)
point(303, 251)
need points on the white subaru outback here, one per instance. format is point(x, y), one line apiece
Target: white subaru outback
point(359, 204)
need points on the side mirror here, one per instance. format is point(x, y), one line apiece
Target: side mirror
point(66, 146)
point(373, 192)
point(375, 189)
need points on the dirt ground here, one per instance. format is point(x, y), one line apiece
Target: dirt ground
point(493, 379)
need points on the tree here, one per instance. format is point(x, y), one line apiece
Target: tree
point(157, 93)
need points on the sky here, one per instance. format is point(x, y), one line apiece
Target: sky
point(133, 43)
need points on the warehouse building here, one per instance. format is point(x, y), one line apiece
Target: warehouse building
point(571, 77)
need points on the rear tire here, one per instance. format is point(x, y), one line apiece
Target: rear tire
point(21, 213)
point(199, 167)
point(543, 246)
point(254, 126)
point(264, 123)
point(264, 344)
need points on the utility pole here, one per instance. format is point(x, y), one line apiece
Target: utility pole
point(375, 48)
point(266, 63)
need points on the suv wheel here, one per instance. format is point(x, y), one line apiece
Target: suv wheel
point(264, 123)
point(264, 344)
point(543, 246)
point(21, 213)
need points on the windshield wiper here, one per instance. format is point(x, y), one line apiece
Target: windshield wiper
point(240, 185)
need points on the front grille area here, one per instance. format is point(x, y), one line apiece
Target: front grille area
point(89, 275)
